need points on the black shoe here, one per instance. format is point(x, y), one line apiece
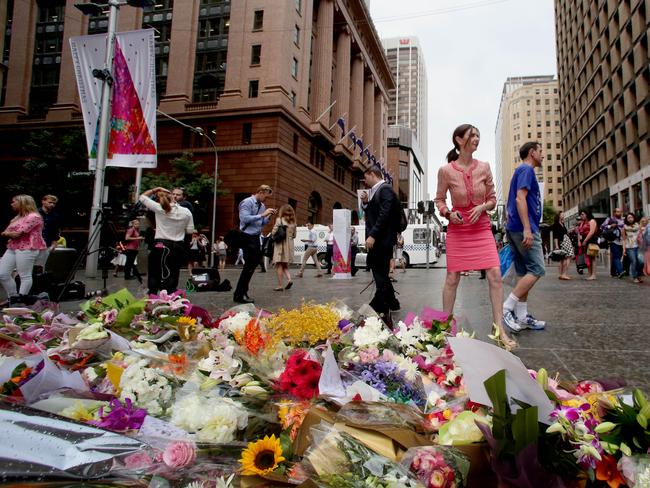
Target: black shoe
point(244, 299)
point(394, 304)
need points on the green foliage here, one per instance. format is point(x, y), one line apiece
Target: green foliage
point(186, 173)
point(548, 212)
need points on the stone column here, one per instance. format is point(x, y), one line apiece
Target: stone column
point(379, 126)
point(67, 99)
point(342, 80)
point(21, 56)
point(356, 95)
point(182, 55)
point(3, 30)
point(369, 113)
point(324, 45)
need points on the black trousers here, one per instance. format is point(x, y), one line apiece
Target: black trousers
point(165, 262)
point(379, 262)
point(250, 244)
point(353, 266)
point(328, 257)
point(129, 267)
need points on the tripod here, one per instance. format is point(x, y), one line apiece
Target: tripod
point(104, 253)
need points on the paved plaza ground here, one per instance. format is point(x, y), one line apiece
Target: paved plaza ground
point(596, 329)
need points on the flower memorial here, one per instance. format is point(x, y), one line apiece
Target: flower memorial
point(158, 392)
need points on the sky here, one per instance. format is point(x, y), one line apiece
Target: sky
point(470, 47)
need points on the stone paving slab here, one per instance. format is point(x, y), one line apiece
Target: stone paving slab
point(596, 329)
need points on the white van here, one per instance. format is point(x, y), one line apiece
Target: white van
point(415, 244)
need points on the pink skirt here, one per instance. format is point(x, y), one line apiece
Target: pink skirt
point(471, 246)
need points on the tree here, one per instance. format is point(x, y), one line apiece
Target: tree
point(548, 212)
point(186, 173)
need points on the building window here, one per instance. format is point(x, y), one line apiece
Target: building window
point(559, 180)
point(296, 139)
point(339, 173)
point(558, 167)
point(256, 54)
point(253, 88)
point(538, 102)
point(549, 168)
point(539, 135)
point(296, 35)
point(293, 98)
point(530, 135)
point(258, 20)
point(294, 68)
point(557, 156)
point(247, 132)
point(549, 157)
point(559, 203)
point(299, 6)
point(549, 179)
point(548, 145)
point(211, 50)
point(550, 191)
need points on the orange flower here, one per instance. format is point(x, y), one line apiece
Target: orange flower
point(178, 363)
point(254, 337)
point(24, 374)
point(607, 471)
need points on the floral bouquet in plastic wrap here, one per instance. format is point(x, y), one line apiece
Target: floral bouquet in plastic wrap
point(338, 460)
point(437, 466)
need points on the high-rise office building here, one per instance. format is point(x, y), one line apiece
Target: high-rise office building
point(602, 57)
point(269, 78)
point(529, 111)
point(407, 104)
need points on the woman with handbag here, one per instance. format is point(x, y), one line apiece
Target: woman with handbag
point(630, 238)
point(283, 234)
point(562, 245)
point(587, 235)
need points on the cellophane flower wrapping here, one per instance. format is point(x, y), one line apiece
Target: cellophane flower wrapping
point(437, 466)
point(337, 460)
point(382, 414)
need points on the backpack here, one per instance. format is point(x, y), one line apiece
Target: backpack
point(401, 218)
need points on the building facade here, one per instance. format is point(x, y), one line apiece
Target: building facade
point(407, 106)
point(406, 162)
point(602, 57)
point(529, 111)
point(268, 79)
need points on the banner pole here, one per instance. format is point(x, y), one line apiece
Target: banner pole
point(102, 144)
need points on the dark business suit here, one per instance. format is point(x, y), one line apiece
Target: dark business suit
point(381, 224)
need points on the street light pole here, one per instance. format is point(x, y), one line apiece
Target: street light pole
point(201, 132)
point(102, 144)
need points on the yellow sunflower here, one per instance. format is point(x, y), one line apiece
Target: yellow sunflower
point(261, 457)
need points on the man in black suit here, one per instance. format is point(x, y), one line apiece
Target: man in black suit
point(381, 208)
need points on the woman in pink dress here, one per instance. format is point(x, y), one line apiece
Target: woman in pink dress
point(25, 233)
point(470, 243)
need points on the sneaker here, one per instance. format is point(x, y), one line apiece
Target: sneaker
point(510, 321)
point(531, 322)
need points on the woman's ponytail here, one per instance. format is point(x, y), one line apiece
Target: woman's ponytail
point(452, 155)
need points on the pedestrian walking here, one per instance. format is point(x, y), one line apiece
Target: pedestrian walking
point(524, 211)
point(381, 208)
point(562, 242)
point(611, 231)
point(51, 227)
point(587, 235)
point(470, 244)
point(253, 215)
point(173, 223)
point(311, 251)
point(354, 250)
point(399, 253)
point(644, 244)
point(630, 239)
point(283, 235)
point(197, 252)
point(240, 257)
point(25, 234)
point(119, 260)
point(330, 247)
point(220, 248)
point(131, 246)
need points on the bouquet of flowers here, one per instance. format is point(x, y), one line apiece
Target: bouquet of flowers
point(437, 466)
point(338, 460)
point(300, 376)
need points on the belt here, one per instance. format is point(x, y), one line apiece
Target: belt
point(168, 241)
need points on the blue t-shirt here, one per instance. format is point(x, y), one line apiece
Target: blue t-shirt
point(524, 177)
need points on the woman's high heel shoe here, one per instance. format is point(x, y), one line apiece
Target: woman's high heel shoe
point(502, 341)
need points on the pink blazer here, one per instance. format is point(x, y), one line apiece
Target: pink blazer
point(467, 188)
point(31, 227)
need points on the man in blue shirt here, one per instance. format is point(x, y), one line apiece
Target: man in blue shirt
point(524, 212)
point(253, 215)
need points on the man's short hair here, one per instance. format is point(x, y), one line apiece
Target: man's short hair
point(375, 171)
point(182, 190)
point(52, 198)
point(265, 189)
point(527, 147)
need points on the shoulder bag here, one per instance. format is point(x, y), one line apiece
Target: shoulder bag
point(593, 250)
point(280, 234)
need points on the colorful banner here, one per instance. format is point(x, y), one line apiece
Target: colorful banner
point(132, 139)
point(342, 252)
